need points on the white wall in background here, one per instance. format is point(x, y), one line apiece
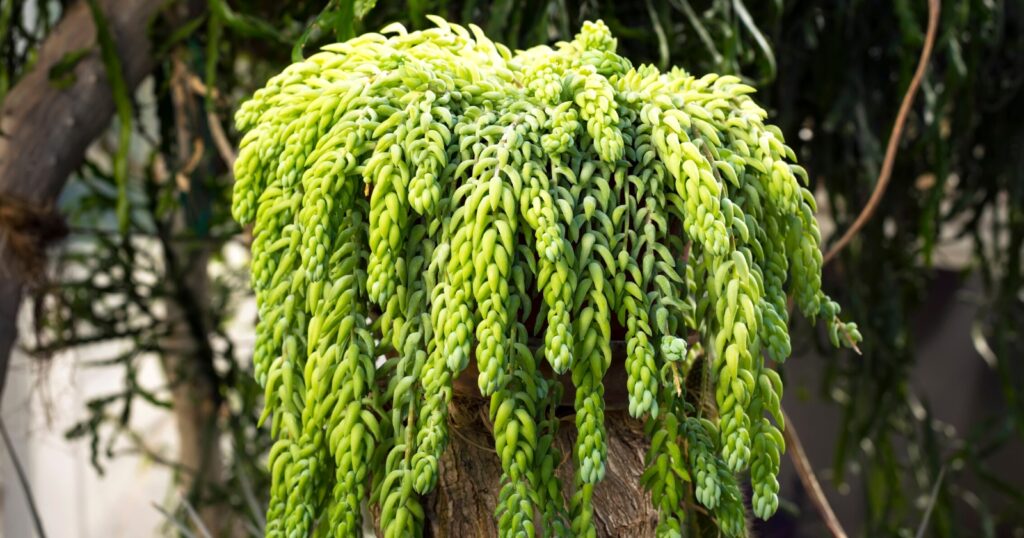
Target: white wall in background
point(40, 403)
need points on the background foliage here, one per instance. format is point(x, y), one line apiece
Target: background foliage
point(830, 73)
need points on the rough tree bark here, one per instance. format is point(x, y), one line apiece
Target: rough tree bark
point(45, 130)
point(469, 476)
point(468, 480)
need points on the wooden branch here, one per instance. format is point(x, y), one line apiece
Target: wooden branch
point(26, 487)
point(810, 480)
point(894, 138)
point(45, 130)
point(796, 448)
point(220, 139)
point(468, 486)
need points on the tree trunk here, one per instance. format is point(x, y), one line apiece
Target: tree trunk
point(45, 130)
point(469, 473)
point(186, 354)
point(195, 392)
point(468, 479)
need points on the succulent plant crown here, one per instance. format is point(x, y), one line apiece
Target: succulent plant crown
point(418, 196)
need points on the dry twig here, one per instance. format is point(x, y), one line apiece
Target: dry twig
point(796, 449)
point(23, 479)
point(809, 479)
point(894, 138)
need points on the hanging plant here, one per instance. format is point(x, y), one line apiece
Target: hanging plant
point(427, 199)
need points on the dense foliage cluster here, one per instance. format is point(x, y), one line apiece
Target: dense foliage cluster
point(426, 199)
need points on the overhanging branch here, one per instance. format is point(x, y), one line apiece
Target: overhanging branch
point(46, 129)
